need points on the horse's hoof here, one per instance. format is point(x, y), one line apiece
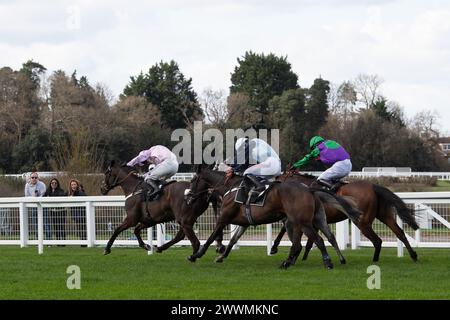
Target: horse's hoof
point(304, 258)
point(273, 251)
point(343, 261)
point(158, 250)
point(414, 256)
point(219, 260)
point(191, 258)
point(329, 265)
point(220, 249)
point(285, 264)
point(147, 247)
point(106, 251)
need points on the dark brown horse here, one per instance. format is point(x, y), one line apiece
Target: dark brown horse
point(285, 200)
point(142, 214)
point(374, 201)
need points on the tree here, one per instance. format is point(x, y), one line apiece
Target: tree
point(19, 103)
point(166, 87)
point(215, 107)
point(367, 87)
point(287, 113)
point(6, 164)
point(34, 71)
point(299, 114)
point(316, 108)
point(342, 99)
point(139, 121)
point(388, 111)
point(240, 113)
point(74, 103)
point(261, 77)
point(33, 152)
point(373, 141)
point(425, 123)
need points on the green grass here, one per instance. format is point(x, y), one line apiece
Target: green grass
point(128, 273)
point(441, 185)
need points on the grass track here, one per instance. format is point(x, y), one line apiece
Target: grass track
point(128, 273)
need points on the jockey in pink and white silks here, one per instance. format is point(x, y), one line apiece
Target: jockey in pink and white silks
point(255, 158)
point(165, 161)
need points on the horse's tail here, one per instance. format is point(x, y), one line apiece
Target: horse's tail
point(346, 206)
point(391, 199)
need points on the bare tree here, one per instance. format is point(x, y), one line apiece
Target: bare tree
point(367, 87)
point(425, 123)
point(342, 99)
point(214, 104)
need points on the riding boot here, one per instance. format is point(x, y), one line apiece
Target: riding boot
point(155, 188)
point(325, 183)
point(258, 186)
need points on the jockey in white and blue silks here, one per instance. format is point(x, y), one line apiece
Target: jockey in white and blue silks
point(165, 161)
point(255, 158)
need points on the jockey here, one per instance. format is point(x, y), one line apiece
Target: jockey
point(165, 165)
point(331, 154)
point(265, 160)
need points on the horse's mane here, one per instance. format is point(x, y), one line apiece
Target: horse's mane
point(129, 169)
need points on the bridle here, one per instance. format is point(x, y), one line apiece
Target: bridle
point(116, 181)
point(191, 197)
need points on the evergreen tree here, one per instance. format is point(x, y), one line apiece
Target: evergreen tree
point(167, 88)
point(261, 77)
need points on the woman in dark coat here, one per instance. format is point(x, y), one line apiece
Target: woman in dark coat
point(57, 215)
point(78, 213)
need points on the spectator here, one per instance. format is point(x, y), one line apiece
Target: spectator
point(78, 213)
point(36, 188)
point(57, 215)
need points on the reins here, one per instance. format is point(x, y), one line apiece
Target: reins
point(116, 183)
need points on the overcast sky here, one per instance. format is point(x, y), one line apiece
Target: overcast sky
point(405, 42)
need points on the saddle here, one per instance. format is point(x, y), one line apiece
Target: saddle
point(337, 184)
point(146, 188)
point(257, 198)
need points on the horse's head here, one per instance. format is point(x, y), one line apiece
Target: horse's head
point(111, 178)
point(198, 186)
point(205, 182)
point(114, 176)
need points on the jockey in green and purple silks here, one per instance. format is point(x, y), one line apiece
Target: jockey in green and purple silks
point(330, 153)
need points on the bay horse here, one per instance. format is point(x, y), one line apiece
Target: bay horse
point(285, 200)
point(373, 200)
point(142, 214)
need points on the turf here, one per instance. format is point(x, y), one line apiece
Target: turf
point(248, 273)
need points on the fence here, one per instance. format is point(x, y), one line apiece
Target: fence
point(90, 221)
point(366, 173)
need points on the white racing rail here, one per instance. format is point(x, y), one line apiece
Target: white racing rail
point(91, 221)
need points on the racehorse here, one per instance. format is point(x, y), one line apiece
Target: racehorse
point(142, 214)
point(290, 200)
point(373, 200)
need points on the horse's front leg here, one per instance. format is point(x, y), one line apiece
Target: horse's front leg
point(277, 241)
point(219, 227)
point(294, 235)
point(220, 248)
point(127, 223)
point(178, 237)
point(137, 233)
point(233, 241)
